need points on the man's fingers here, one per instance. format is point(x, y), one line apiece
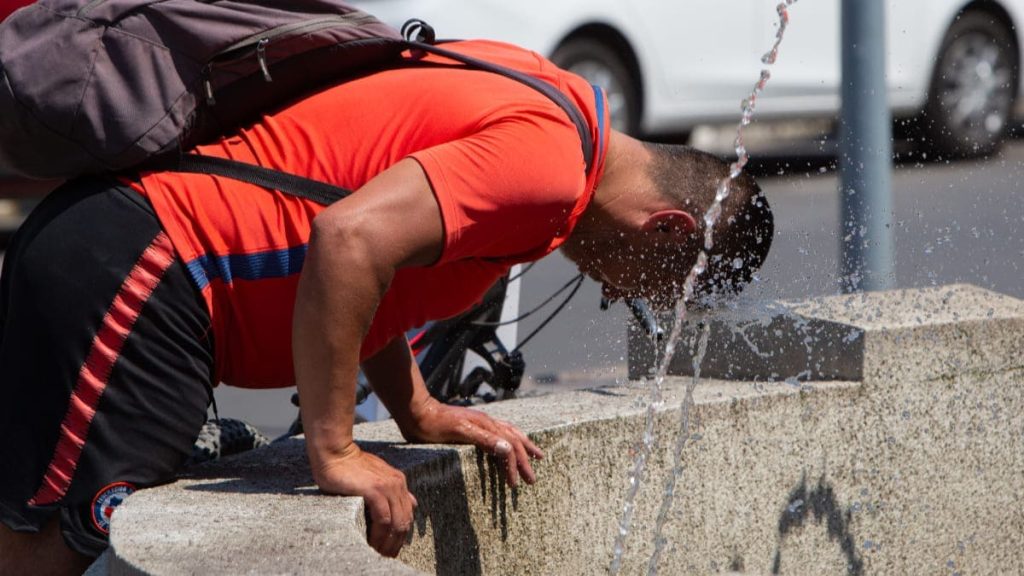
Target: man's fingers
point(494, 443)
point(505, 449)
point(523, 461)
point(401, 523)
point(391, 515)
point(502, 447)
point(511, 468)
point(380, 522)
point(508, 442)
point(517, 444)
point(530, 447)
point(389, 504)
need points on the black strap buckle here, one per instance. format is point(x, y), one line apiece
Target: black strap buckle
point(416, 30)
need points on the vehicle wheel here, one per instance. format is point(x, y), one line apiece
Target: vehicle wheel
point(601, 65)
point(972, 94)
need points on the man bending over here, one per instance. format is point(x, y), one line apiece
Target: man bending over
point(124, 301)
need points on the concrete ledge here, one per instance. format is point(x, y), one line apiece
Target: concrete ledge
point(924, 333)
point(909, 474)
point(259, 514)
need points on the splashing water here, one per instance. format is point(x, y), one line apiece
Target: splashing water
point(772, 54)
point(677, 456)
point(689, 286)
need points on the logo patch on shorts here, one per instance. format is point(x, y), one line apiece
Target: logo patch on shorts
point(109, 497)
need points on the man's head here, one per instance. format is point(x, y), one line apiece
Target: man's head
point(645, 227)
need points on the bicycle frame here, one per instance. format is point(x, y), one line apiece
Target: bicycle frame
point(442, 351)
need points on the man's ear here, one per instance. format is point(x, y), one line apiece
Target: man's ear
point(670, 222)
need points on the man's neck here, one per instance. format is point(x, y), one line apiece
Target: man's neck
point(616, 199)
point(621, 192)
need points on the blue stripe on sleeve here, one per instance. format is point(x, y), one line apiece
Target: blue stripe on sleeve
point(256, 266)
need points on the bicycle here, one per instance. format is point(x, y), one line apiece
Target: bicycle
point(442, 351)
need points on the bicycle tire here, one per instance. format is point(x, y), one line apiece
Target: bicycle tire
point(223, 437)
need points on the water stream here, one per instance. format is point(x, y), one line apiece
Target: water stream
point(655, 401)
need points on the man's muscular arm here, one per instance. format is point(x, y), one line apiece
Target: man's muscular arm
point(354, 250)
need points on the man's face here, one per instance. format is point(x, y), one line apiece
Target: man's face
point(644, 266)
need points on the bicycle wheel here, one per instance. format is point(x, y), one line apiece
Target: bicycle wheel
point(223, 437)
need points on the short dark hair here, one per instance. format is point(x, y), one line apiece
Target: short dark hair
point(690, 178)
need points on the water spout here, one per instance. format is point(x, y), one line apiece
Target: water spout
point(711, 218)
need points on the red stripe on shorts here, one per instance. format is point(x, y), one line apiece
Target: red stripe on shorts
point(92, 379)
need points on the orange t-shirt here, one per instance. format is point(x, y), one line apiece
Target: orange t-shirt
point(504, 162)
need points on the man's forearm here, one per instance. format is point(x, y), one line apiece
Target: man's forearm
point(338, 293)
point(397, 381)
point(355, 247)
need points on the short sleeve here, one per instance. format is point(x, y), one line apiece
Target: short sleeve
point(507, 191)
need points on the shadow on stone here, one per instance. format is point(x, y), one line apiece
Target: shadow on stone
point(820, 502)
point(492, 481)
point(440, 489)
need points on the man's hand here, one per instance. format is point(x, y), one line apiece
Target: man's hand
point(435, 422)
point(383, 488)
point(398, 382)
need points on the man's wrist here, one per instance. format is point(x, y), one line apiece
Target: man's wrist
point(323, 458)
point(410, 423)
point(328, 440)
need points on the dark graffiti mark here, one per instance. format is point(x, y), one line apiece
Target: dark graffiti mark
point(821, 504)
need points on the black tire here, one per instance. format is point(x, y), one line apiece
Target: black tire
point(602, 65)
point(973, 89)
point(225, 437)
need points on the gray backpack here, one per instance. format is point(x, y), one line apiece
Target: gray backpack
point(92, 86)
point(88, 86)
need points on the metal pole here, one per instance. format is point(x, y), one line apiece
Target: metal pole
point(865, 151)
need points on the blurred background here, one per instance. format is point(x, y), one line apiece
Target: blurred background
point(678, 71)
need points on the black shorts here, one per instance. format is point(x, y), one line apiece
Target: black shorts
point(106, 361)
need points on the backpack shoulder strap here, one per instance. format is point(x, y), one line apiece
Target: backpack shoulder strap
point(315, 190)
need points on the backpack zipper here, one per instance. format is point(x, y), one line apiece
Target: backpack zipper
point(261, 58)
point(242, 48)
point(208, 85)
